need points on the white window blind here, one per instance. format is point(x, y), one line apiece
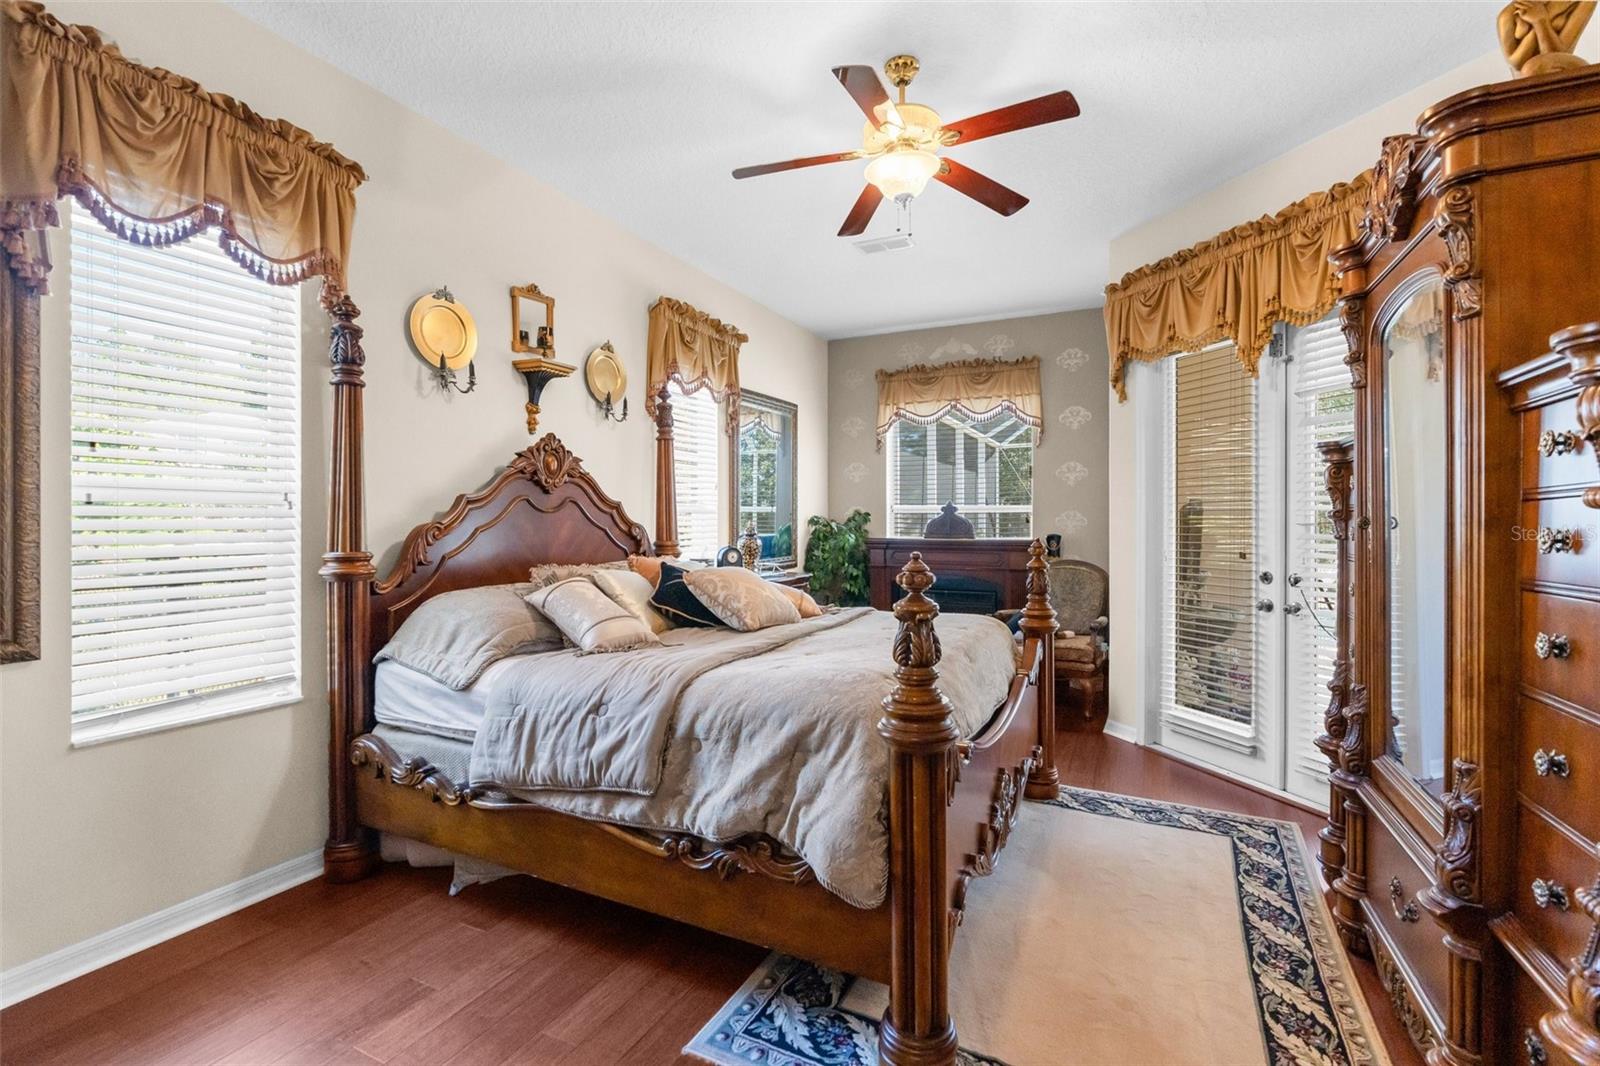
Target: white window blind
point(1322, 407)
point(984, 467)
point(1209, 665)
point(185, 482)
point(696, 426)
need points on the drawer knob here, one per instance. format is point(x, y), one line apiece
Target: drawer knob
point(1550, 763)
point(1409, 912)
point(1552, 646)
point(1549, 894)
point(1534, 1047)
point(1552, 442)
point(1554, 541)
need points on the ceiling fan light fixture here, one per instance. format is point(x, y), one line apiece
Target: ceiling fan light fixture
point(904, 172)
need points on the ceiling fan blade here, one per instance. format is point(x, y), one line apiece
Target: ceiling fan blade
point(795, 164)
point(986, 191)
point(1035, 112)
point(869, 94)
point(866, 204)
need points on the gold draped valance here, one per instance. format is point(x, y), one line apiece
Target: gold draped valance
point(697, 351)
point(158, 159)
point(977, 388)
point(1236, 285)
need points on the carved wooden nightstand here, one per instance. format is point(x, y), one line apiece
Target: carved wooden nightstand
point(795, 579)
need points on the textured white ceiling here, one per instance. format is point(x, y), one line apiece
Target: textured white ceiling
point(640, 110)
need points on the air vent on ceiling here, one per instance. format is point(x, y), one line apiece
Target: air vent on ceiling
point(892, 243)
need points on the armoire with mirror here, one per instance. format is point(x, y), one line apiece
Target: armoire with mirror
point(1464, 731)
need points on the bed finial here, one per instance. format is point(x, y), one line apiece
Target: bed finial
point(922, 735)
point(1039, 622)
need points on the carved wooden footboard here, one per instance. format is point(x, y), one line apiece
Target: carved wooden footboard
point(952, 803)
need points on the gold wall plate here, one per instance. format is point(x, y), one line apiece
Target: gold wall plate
point(440, 325)
point(605, 374)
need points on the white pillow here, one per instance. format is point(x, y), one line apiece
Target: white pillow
point(588, 618)
point(454, 636)
point(632, 593)
point(740, 598)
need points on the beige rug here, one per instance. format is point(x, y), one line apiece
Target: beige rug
point(1116, 930)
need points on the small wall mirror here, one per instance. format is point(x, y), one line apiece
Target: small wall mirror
point(762, 447)
point(1415, 484)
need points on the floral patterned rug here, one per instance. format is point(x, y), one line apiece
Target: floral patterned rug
point(793, 1013)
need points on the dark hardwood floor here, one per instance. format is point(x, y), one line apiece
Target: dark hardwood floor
point(393, 970)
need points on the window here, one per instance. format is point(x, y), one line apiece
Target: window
point(984, 467)
point(185, 485)
point(1210, 646)
point(696, 419)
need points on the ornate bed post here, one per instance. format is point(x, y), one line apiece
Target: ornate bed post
point(922, 734)
point(347, 568)
point(1338, 461)
point(1039, 621)
point(666, 490)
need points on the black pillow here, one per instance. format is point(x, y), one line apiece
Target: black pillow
point(681, 606)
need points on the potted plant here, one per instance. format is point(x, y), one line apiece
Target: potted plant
point(836, 556)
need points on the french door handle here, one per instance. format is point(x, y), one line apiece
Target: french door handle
point(1264, 606)
point(1292, 608)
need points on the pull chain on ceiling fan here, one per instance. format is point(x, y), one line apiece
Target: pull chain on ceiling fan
point(903, 141)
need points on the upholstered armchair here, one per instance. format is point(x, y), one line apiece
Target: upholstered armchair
point(1079, 592)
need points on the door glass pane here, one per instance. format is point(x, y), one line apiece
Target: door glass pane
point(1414, 479)
point(1211, 637)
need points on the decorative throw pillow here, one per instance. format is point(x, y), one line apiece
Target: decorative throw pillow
point(549, 573)
point(455, 636)
point(678, 604)
point(742, 598)
point(632, 593)
point(808, 607)
point(649, 567)
point(589, 619)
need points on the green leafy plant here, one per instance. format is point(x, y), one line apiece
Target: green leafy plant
point(836, 556)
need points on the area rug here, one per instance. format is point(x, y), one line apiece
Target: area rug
point(1116, 930)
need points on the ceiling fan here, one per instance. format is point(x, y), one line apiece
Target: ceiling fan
point(903, 141)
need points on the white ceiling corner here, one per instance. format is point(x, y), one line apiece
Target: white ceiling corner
point(1177, 98)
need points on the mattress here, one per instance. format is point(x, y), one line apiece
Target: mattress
point(411, 700)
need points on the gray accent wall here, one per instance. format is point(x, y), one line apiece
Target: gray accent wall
point(1070, 486)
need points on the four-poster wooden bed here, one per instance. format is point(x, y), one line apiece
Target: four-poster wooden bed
point(951, 801)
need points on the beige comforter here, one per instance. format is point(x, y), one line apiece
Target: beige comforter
point(726, 734)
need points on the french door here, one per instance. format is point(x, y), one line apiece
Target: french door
point(1248, 557)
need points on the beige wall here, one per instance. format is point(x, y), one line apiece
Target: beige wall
point(94, 838)
point(1069, 479)
point(1331, 157)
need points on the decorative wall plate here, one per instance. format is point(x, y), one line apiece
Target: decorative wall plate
point(605, 374)
point(440, 325)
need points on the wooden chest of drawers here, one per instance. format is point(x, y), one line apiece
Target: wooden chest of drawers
point(1554, 898)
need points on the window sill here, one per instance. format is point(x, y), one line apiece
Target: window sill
point(95, 731)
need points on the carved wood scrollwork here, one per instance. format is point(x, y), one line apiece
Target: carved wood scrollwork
point(1405, 1004)
point(993, 834)
point(754, 855)
point(1455, 222)
point(1353, 324)
point(1353, 746)
point(407, 772)
point(1392, 200)
point(1456, 864)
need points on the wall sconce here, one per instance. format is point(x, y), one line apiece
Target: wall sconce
point(446, 337)
point(607, 379)
point(542, 368)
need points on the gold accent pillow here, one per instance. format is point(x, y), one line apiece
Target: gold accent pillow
point(742, 599)
point(631, 591)
point(588, 618)
point(808, 607)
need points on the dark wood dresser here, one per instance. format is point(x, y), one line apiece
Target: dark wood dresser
point(973, 576)
point(1550, 929)
point(1461, 850)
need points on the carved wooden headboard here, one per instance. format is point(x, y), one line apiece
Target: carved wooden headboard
point(542, 508)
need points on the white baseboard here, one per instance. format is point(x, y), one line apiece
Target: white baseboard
point(31, 978)
point(1122, 731)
